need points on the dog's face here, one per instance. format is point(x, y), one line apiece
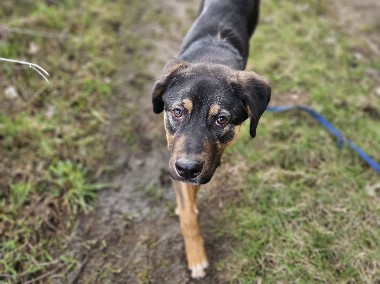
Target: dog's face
point(204, 107)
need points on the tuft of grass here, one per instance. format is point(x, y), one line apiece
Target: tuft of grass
point(71, 186)
point(307, 214)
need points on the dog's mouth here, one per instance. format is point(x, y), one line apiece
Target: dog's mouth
point(200, 179)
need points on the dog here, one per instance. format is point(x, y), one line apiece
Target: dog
point(206, 95)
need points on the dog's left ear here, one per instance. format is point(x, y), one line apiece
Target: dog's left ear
point(170, 69)
point(255, 93)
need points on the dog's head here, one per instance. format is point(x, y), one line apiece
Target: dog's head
point(204, 106)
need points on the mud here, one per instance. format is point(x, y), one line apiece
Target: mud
point(361, 21)
point(133, 236)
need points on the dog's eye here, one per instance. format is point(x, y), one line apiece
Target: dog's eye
point(177, 112)
point(221, 120)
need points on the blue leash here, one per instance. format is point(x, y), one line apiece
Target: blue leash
point(326, 124)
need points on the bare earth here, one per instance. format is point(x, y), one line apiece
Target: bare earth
point(132, 236)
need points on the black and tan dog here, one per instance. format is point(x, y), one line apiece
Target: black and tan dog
point(205, 96)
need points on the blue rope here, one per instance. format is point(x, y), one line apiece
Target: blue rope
point(326, 124)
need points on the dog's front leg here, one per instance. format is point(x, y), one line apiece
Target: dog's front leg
point(187, 211)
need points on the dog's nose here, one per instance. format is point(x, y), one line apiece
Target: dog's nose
point(188, 168)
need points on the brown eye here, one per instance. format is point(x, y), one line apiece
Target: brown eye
point(221, 120)
point(177, 112)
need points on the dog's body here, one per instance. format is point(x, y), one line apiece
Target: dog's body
point(206, 96)
point(221, 33)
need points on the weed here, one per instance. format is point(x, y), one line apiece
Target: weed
point(70, 185)
point(18, 194)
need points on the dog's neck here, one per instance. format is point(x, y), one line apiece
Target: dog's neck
point(221, 33)
point(213, 50)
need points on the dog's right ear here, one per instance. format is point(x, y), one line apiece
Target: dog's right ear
point(170, 69)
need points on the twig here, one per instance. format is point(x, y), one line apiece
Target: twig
point(44, 264)
point(80, 270)
point(35, 67)
point(33, 32)
point(45, 275)
point(6, 276)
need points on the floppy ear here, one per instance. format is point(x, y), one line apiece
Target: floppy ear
point(160, 86)
point(255, 94)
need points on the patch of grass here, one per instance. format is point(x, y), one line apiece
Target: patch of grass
point(144, 276)
point(307, 213)
point(53, 138)
point(70, 185)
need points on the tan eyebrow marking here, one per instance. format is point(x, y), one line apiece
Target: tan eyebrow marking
point(214, 110)
point(187, 104)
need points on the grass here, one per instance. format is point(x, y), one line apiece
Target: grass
point(309, 211)
point(53, 137)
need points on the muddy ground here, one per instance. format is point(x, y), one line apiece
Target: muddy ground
point(133, 236)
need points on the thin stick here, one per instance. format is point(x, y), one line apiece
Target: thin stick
point(35, 67)
point(45, 275)
point(33, 32)
point(80, 270)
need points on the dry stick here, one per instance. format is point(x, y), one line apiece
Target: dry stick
point(32, 32)
point(45, 275)
point(80, 270)
point(6, 276)
point(35, 67)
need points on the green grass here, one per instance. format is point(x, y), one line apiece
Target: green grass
point(309, 211)
point(53, 137)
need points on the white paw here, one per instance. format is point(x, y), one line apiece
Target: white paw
point(198, 271)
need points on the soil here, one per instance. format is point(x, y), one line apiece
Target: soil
point(133, 236)
point(361, 21)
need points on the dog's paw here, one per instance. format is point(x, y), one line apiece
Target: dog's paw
point(198, 270)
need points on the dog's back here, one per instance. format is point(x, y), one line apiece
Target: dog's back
point(221, 33)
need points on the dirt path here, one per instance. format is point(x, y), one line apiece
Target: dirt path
point(361, 21)
point(133, 236)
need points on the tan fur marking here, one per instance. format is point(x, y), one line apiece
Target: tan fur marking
point(245, 77)
point(194, 244)
point(172, 66)
point(248, 110)
point(207, 150)
point(175, 150)
point(169, 137)
point(236, 134)
point(221, 147)
point(214, 110)
point(188, 105)
point(178, 146)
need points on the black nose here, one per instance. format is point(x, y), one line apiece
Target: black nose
point(188, 168)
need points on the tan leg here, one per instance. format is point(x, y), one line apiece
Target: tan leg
point(186, 207)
